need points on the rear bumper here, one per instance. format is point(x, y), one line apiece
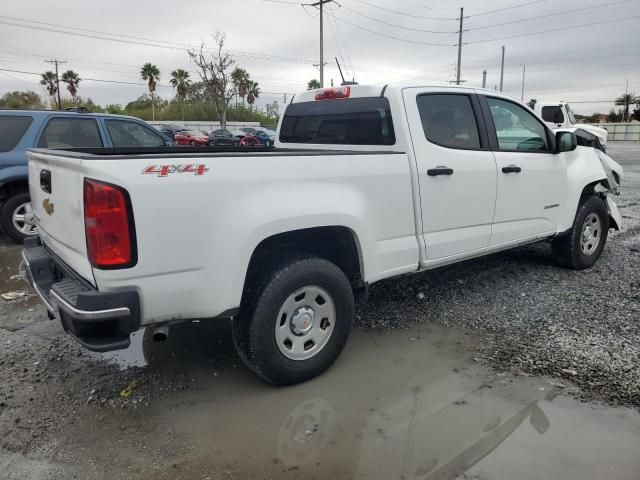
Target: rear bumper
point(100, 321)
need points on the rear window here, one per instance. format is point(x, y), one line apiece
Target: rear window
point(354, 121)
point(132, 134)
point(69, 132)
point(12, 129)
point(552, 114)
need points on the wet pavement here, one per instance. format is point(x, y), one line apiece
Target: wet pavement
point(412, 402)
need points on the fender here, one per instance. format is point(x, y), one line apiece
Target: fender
point(584, 168)
point(321, 206)
point(13, 173)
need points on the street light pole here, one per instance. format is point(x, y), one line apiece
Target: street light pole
point(502, 70)
point(460, 47)
point(524, 69)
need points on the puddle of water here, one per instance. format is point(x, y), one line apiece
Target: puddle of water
point(398, 404)
point(24, 310)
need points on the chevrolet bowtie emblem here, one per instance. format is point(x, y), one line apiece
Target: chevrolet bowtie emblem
point(48, 206)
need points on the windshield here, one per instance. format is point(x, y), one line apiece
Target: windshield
point(356, 121)
point(570, 114)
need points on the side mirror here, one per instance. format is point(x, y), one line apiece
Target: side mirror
point(566, 142)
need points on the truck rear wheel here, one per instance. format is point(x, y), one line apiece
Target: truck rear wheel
point(295, 321)
point(582, 246)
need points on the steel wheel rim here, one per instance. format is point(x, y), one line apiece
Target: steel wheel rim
point(591, 235)
point(23, 220)
point(305, 323)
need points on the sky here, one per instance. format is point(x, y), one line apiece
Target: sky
point(581, 51)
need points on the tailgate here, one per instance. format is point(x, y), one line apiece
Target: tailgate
point(56, 189)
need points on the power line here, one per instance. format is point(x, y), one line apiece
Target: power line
point(413, 15)
point(421, 30)
point(561, 52)
point(507, 8)
point(564, 28)
point(240, 53)
point(380, 34)
point(538, 17)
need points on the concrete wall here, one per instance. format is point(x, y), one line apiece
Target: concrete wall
point(622, 131)
point(205, 126)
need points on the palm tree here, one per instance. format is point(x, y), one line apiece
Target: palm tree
point(313, 84)
point(253, 92)
point(240, 79)
point(180, 81)
point(625, 101)
point(49, 81)
point(151, 74)
point(72, 79)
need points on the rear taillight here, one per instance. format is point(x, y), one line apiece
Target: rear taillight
point(333, 93)
point(108, 225)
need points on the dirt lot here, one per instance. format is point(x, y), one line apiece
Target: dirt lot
point(500, 368)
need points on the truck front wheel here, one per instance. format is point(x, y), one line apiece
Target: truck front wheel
point(582, 246)
point(294, 321)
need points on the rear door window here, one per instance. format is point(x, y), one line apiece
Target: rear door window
point(552, 114)
point(68, 132)
point(353, 121)
point(12, 129)
point(448, 120)
point(132, 134)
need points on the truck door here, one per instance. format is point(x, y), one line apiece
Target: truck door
point(456, 169)
point(531, 177)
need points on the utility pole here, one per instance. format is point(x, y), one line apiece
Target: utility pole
point(524, 69)
point(460, 47)
point(626, 102)
point(502, 70)
point(484, 79)
point(56, 62)
point(320, 4)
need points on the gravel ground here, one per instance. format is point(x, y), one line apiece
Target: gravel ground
point(537, 318)
point(531, 318)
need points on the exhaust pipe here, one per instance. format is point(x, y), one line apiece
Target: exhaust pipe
point(161, 333)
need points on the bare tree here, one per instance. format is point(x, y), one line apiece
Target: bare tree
point(214, 69)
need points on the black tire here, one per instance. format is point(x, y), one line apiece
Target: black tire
point(6, 216)
point(567, 249)
point(254, 329)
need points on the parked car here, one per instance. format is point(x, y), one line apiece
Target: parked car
point(24, 129)
point(559, 115)
point(170, 130)
point(191, 137)
point(258, 138)
point(374, 182)
point(222, 138)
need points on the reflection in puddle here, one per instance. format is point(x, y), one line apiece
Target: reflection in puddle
point(397, 404)
point(305, 432)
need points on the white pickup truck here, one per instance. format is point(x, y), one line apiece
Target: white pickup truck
point(558, 115)
point(366, 183)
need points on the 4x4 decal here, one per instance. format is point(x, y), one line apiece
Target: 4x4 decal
point(166, 170)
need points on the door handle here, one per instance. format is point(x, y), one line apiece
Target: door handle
point(45, 180)
point(511, 169)
point(434, 172)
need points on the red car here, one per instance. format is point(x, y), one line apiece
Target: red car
point(191, 137)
